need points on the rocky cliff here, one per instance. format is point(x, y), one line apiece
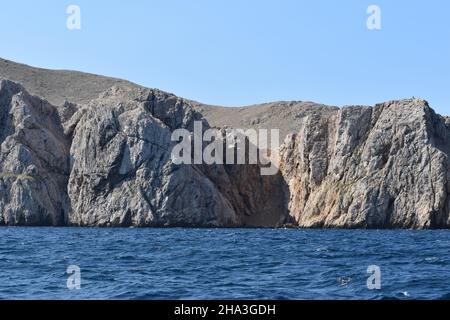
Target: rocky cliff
point(85, 150)
point(378, 167)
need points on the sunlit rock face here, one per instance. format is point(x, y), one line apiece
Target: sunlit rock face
point(34, 157)
point(365, 167)
point(103, 158)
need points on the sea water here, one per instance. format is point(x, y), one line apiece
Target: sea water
point(94, 263)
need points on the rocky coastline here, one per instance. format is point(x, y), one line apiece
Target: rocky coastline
point(83, 150)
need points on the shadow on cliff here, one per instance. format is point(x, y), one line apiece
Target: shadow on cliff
point(439, 131)
point(259, 201)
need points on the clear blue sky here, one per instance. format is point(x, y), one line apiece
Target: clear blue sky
point(237, 52)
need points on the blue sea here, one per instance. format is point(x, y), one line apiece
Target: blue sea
point(222, 263)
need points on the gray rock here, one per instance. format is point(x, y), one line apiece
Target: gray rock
point(121, 168)
point(33, 160)
point(378, 167)
point(101, 157)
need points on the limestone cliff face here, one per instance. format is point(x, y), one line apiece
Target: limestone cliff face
point(106, 161)
point(122, 173)
point(34, 162)
point(378, 167)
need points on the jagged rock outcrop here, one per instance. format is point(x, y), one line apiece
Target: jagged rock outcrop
point(109, 163)
point(122, 173)
point(34, 162)
point(378, 167)
point(105, 160)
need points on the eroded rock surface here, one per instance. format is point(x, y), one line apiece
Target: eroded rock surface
point(105, 160)
point(122, 173)
point(385, 166)
point(34, 164)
